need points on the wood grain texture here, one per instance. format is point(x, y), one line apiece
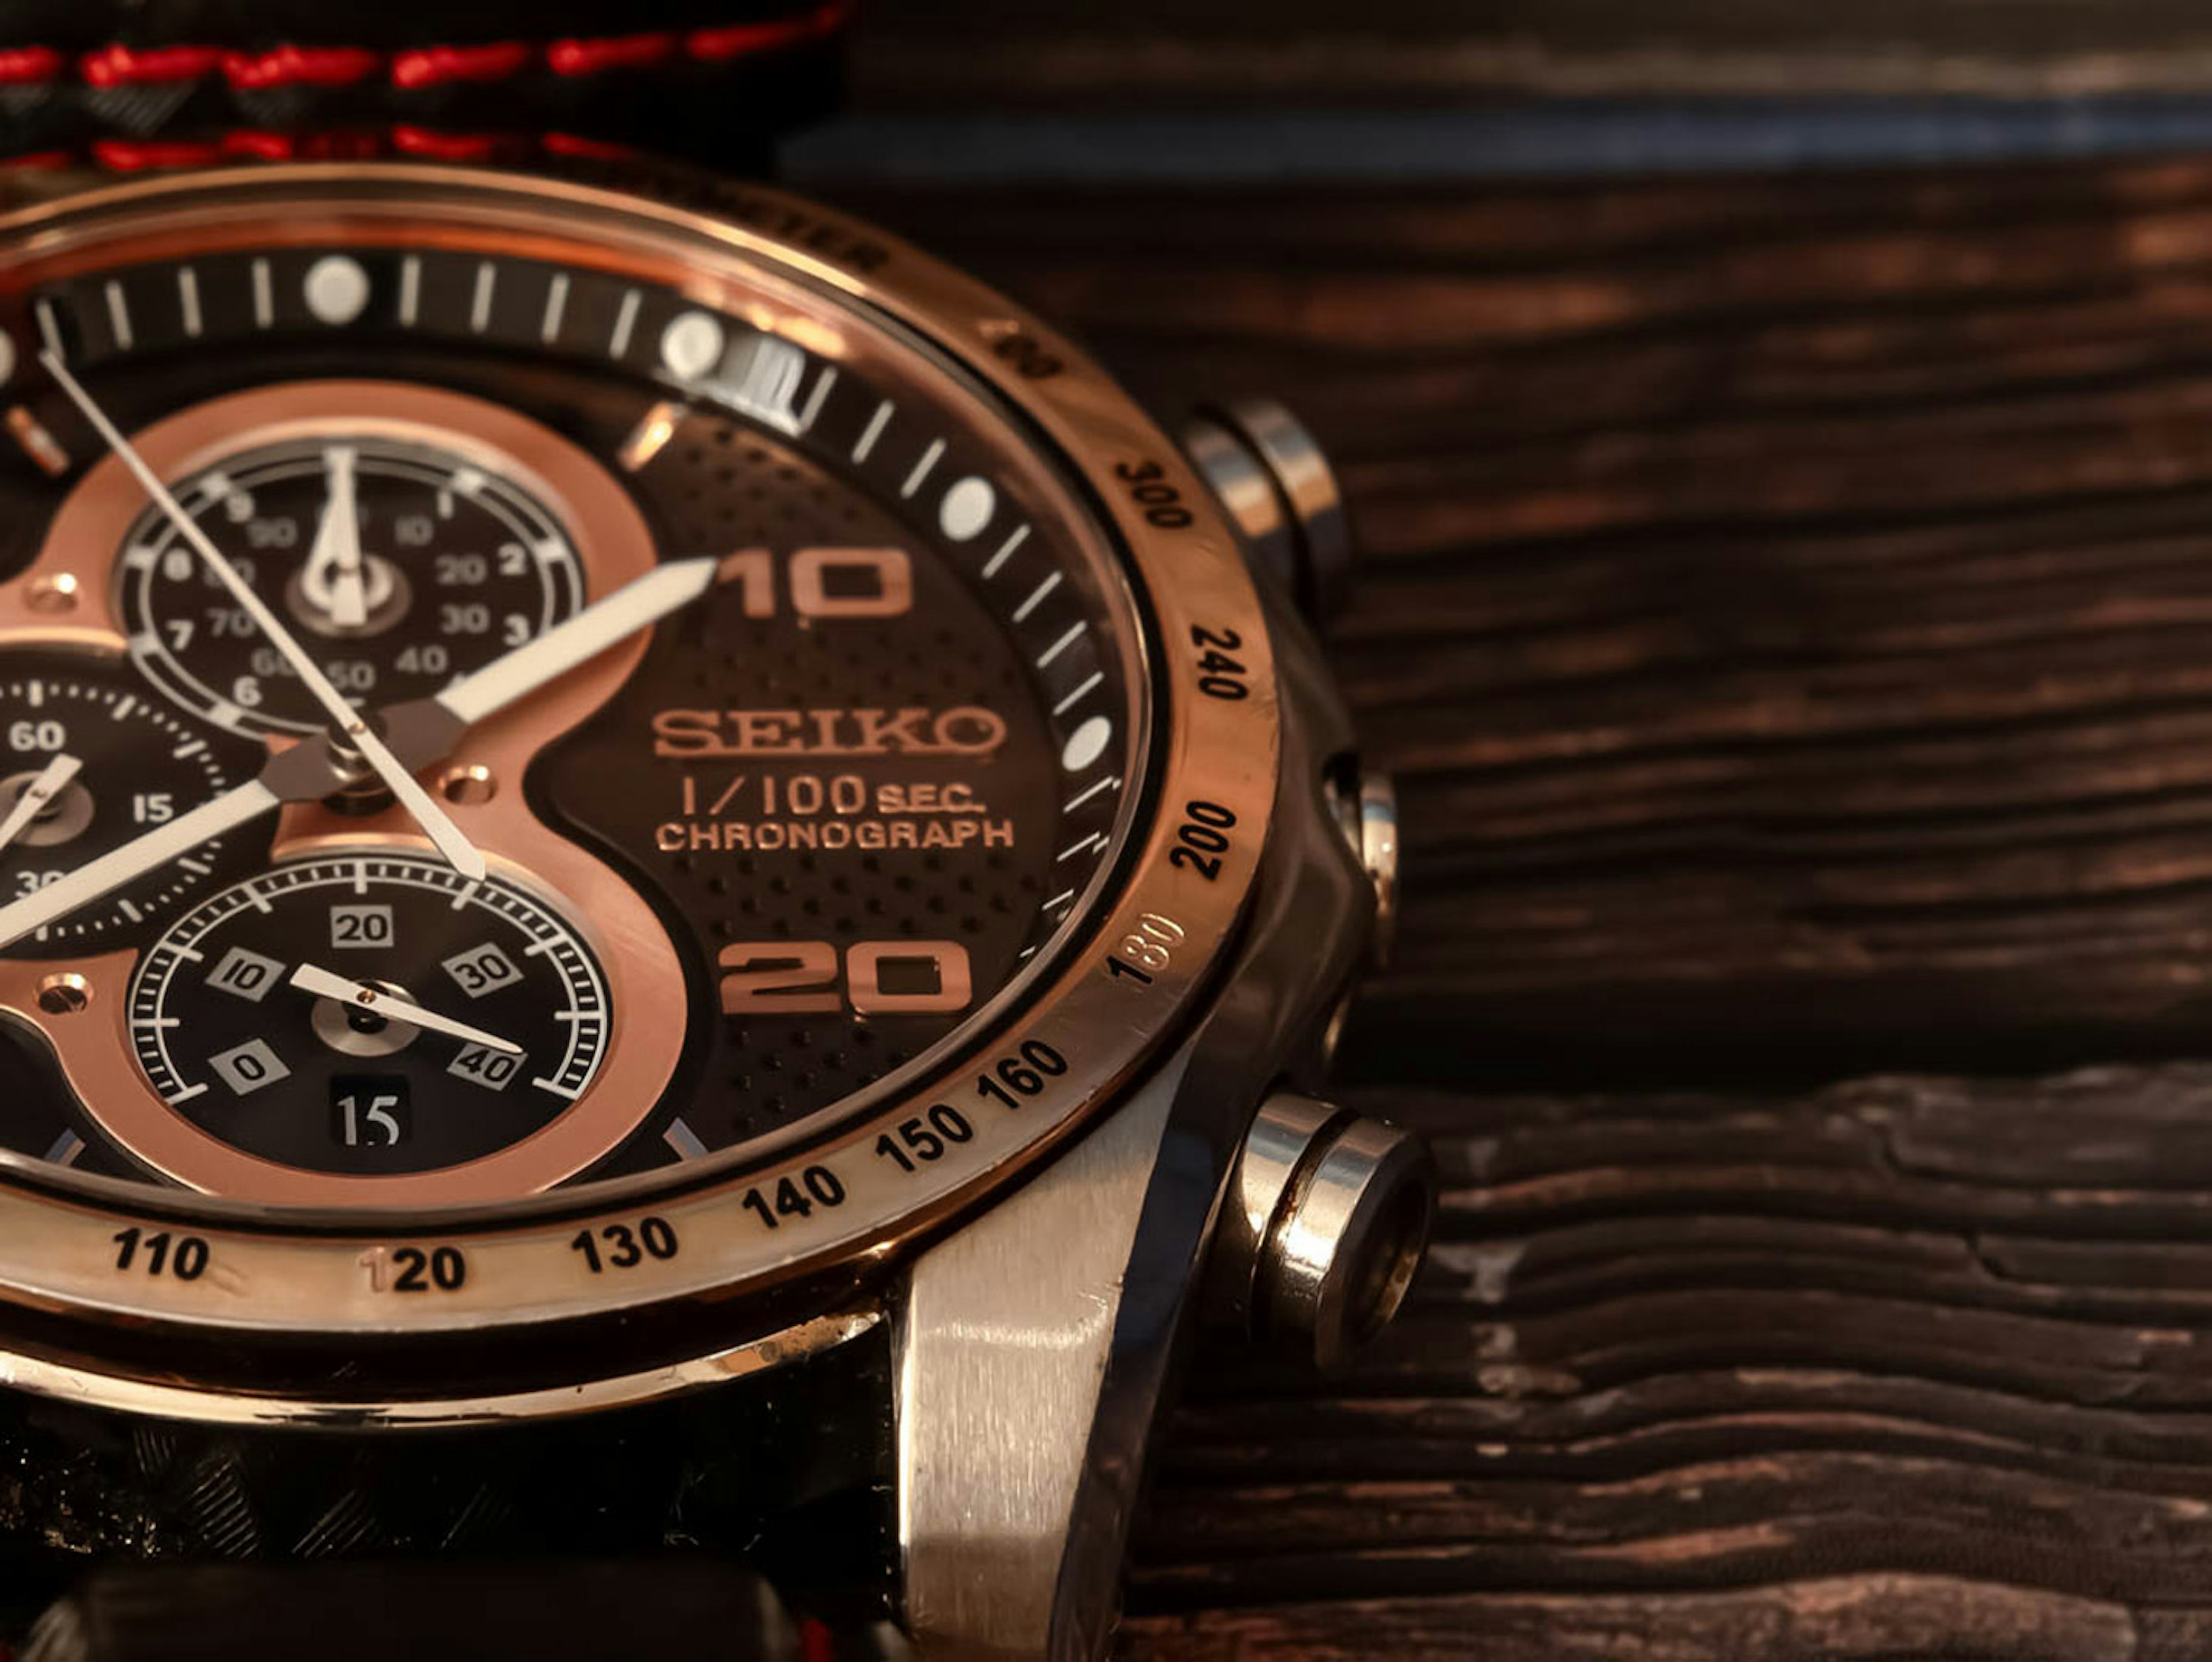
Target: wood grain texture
point(1788, 609)
point(943, 54)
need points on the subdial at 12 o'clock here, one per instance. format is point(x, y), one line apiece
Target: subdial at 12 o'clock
point(367, 1012)
point(91, 759)
point(401, 565)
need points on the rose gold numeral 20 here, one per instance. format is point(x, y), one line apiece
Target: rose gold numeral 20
point(880, 978)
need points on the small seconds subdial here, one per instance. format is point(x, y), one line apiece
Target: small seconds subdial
point(403, 564)
point(89, 759)
point(368, 1012)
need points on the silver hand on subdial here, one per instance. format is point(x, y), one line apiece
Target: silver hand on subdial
point(358, 995)
point(355, 732)
point(334, 579)
point(36, 794)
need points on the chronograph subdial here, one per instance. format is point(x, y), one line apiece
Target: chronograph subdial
point(403, 562)
point(89, 759)
point(369, 1011)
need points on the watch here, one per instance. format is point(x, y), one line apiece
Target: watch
point(673, 897)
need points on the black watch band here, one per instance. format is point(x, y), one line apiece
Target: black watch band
point(193, 82)
point(425, 1611)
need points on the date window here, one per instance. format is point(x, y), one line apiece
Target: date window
point(369, 1111)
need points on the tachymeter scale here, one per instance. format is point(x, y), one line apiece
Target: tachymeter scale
point(111, 763)
point(316, 1083)
point(441, 565)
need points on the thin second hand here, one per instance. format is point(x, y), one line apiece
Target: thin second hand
point(458, 852)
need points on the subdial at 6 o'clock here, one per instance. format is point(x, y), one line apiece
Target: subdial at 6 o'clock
point(275, 1015)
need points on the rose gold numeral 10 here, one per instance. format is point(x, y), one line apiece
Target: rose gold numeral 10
point(880, 978)
point(825, 582)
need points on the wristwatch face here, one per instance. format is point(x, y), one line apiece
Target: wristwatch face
point(559, 755)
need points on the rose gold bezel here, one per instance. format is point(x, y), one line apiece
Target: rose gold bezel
point(274, 1272)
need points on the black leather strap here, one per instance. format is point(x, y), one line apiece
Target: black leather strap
point(170, 82)
point(783, 1475)
point(538, 1611)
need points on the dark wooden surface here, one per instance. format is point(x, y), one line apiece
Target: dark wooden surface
point(947, 54)
point(1788, 610)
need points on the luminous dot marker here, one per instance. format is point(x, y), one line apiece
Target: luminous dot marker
point(6, 357)
point(691, 345)
point(966, 509)
point(336, 289)
point(1086, 744)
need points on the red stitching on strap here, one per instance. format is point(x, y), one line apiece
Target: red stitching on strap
point(129, 155)
point(120, 66)
point(448, 147)
point(741, 40)
point(299, 66)
point(432, 66)
point(416, 67)
point(27, 65)
point(261, 144)
point(574, 144)
point(626, 51)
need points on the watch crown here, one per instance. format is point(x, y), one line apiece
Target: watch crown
point(1327, 1219)
point(1271, 476)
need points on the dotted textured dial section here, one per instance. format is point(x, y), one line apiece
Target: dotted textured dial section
point(889, 779)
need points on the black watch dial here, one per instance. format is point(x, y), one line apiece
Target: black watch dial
point(841, 810)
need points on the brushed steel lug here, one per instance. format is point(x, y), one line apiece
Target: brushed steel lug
point(1002, 1346)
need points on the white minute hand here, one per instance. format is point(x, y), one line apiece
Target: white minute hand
point(460, 852)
